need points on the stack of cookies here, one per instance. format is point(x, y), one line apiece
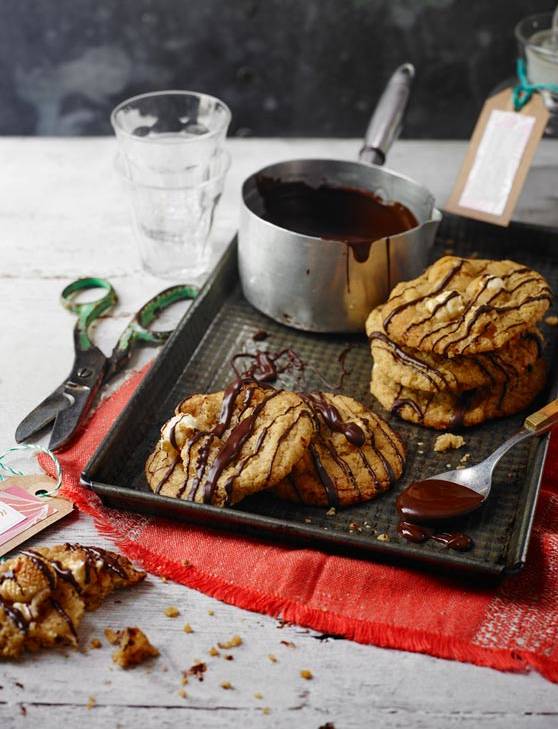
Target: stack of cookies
point(459, 344)
point(320, 449)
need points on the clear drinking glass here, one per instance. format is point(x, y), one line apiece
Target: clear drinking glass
point(538, 45)
point(172, 223)
point(173, 164)
point(170, 134)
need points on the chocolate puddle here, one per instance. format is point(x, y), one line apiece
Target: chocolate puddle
point(435, 500)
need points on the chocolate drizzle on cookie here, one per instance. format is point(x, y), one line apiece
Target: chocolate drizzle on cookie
point(46, 565)
point(406, 358)
point(264, 369)
point(232, 447)
point(441, 286)
point(472, 313)
point(64, 615)
point(100, 559)
point(327, 482)
point(15, 615)
point(320, 406)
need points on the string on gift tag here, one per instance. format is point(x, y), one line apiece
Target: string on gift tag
point(524, 90)
point(14, 472)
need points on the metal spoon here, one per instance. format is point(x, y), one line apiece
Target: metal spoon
point(428, 500)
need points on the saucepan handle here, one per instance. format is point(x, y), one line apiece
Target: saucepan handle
point(387, 119)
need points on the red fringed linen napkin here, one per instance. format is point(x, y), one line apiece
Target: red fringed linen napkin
point(512, 626)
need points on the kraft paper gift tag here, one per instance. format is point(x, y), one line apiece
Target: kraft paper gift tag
point(23, 513)
point(502, 148)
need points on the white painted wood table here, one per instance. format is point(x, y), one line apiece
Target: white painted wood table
point(62, 215)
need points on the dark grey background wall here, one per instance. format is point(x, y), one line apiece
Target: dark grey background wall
point(286, 67)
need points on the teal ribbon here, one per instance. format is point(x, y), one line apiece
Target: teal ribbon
point(524, 90)
point(14, 472)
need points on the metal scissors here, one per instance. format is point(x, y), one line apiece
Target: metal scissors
point(68, 405)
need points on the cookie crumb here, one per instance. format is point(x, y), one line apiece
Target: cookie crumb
point(272, 658)
point(95, 643)
point(111, 635)
point(258, 695)
point(213, 651)
point(383, 537)
point(133, 647)
point(465, 458)
point(187, 628)
point(234, 642)
point(306, 674)
point(288, 643)
point(210, 612)
point(91, 703)
point(551, 320)
point(226, 685)
point(448, 441)
point(228, 657)
point(172, 612)
point(331, 511)
point(184, 679)
point(182, 693)
point(266, 710)
point(197, 670)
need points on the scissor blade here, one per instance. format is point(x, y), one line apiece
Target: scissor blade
point(42, 415)
point(69, 419)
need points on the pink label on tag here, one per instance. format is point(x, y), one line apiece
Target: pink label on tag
point(9, 517)
point(23, 509)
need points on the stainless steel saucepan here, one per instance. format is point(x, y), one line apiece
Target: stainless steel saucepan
point(317, 284)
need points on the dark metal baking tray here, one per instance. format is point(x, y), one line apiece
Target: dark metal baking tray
point(221, 323)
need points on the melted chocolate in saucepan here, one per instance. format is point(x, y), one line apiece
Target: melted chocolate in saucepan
point(350, 215)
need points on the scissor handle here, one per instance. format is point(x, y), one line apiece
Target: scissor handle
point(87, 312)
point(137, 333)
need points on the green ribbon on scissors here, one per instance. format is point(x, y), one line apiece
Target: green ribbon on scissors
point(524, 90)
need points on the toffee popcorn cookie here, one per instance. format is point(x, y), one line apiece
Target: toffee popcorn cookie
point(222, 447)
point(353, 457)
point(45, 591)
point(430, 372)
point(464, 306)
point(445, 410)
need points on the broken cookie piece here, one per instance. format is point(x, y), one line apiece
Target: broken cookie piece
point(44, 592)
point(133, 646)
point(447, 442)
